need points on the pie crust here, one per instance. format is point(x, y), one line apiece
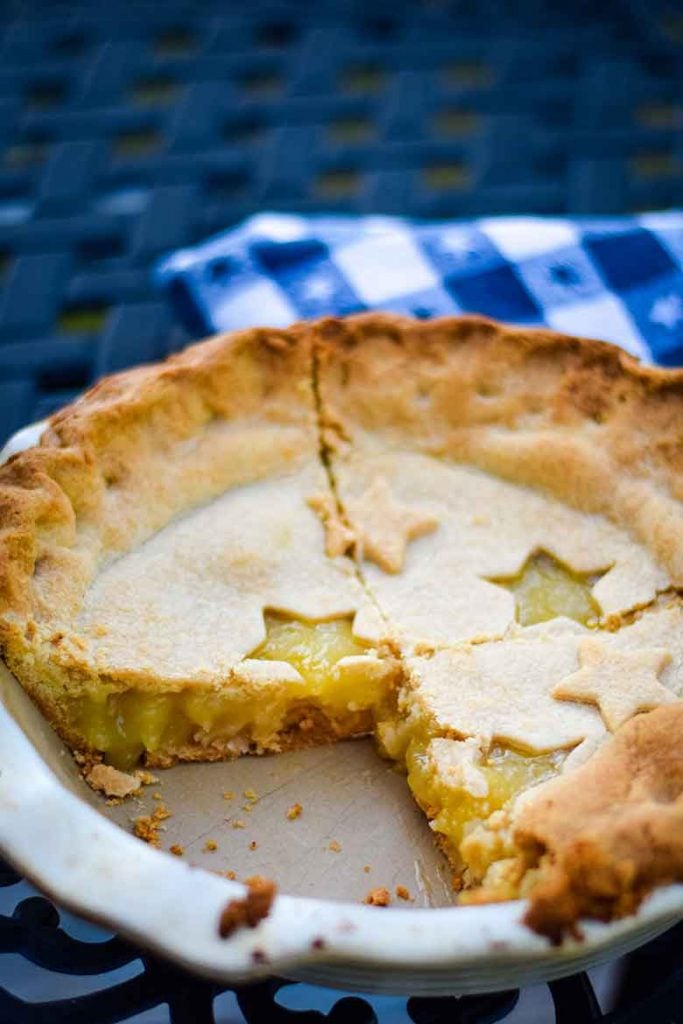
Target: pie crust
point(400, 477)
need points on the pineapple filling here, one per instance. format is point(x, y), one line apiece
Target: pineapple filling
point(455, 813)
point(126, 725)
point(545, 588)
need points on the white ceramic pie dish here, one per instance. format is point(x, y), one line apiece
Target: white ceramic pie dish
point(62, 837)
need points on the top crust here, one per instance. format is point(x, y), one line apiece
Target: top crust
point(578, 418)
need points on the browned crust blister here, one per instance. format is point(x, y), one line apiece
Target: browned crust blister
point(578, 418)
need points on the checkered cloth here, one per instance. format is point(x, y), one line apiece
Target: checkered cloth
point(619, 278)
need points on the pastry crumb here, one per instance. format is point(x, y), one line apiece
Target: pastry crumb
point(248, 808)
point(334, 846)
point(250, 909)
point(148, 826)
point(403, 893)
point(253, 845)
point(228, 795)
point(366, 869)
point(250, 794)
point(294, 812)
point(146, 778)
point(238, 823)
point(379, 897)
point(210, 846)
point(112, 782)
point(177, 850)
point(231, 875)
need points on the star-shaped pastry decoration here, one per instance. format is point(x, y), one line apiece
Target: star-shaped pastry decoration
point(383, 526)
point(620, 683)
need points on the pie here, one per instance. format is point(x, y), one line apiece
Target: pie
point(463, 538)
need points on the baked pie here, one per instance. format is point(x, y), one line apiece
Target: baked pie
point(463, 538)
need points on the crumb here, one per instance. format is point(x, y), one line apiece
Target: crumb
point(403, 893)
point(210, 846)
point(294, 812)
point(148, 826)
point(250, 909)
point(145, 777)
point(366, 869)
point(248, 808)
point(228, 795)
point(379, 897)
point(176, 850)
point(253, 845)
point(250, 794)
point(231, 875)
point(239, 824)
point(334, 846)
point(113, 801)
point(156, 796)
point(110, 781)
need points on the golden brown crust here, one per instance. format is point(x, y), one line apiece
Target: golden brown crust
point(578, 418)
point(602, 837)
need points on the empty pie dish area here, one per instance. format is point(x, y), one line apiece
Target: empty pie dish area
point(463, 539)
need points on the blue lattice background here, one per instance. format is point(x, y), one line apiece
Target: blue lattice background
point(127, 130)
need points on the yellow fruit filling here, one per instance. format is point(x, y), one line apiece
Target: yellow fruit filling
point(455, 812)
point(312, 648)
point(545, 588)
point(125, 725)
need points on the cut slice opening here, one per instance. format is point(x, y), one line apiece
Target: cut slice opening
point(466, 818)
point(336, 678)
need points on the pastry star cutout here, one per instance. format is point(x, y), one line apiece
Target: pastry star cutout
point(621, 683)
point(383, 526)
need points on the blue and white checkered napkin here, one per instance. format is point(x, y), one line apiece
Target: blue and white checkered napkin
point(618, 278)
